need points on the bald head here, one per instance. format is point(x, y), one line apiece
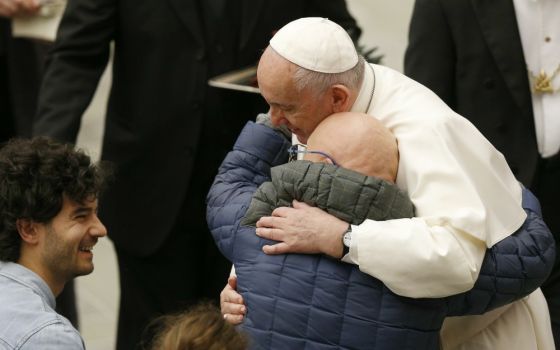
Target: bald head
point(358, 142)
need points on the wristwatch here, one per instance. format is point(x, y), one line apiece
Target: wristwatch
point(346, 241)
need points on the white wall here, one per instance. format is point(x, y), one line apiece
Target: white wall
point(385, 25)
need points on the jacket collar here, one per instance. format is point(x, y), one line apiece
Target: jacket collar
point(499, 27)
point(364, 100)
point(250, 15)
point(189, 15)
point(23, 275)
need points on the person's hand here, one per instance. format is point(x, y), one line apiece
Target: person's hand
point(231, 302)
point(302, 229)
point(12, 8)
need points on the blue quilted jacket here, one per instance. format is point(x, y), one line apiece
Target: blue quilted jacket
point(313, 302)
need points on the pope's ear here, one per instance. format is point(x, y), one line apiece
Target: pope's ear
point(27, 230)
point(340, 98)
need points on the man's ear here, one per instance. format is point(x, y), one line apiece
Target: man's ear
point(340, 98)
point(28, 230)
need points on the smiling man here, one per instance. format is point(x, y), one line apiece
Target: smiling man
point(48, 228)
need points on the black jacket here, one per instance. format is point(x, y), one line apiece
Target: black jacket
point(469, 53)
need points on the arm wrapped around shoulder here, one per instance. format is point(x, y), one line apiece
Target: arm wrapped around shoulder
point(513, 268)
point(257, 149)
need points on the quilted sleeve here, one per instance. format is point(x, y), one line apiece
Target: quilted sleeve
point(263, 204)
point(257, 149)
point(512, 268)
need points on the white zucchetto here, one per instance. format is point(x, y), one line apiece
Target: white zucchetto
point(317, 44)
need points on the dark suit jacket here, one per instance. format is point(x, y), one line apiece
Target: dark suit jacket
point(161, 114)
point(6, 122)
point(469, 53)
point(21, 69)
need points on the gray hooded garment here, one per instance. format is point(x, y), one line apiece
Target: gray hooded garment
point(346, 194)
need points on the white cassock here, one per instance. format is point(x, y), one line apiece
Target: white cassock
point(465, 196)
point(466, 199)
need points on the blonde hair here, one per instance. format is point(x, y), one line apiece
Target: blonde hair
point(200, 328)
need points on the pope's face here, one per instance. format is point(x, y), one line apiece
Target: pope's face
point(300, 111)
point(69, 238)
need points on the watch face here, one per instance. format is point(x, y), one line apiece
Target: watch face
point(347, 238)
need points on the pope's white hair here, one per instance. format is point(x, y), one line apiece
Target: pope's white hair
point(319, 82)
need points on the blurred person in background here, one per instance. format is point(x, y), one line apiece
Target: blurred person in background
point(497, 63)
point(21, 67)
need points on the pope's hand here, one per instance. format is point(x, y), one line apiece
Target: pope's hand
point(302, 229)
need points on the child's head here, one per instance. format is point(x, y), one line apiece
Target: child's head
point(200, 328)
point(358, 142)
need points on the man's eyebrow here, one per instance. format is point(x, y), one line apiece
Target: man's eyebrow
point(281, 105)
point(82, 209)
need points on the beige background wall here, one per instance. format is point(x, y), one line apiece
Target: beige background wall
point(384, 24)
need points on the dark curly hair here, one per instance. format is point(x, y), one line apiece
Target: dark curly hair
point(34, 175)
